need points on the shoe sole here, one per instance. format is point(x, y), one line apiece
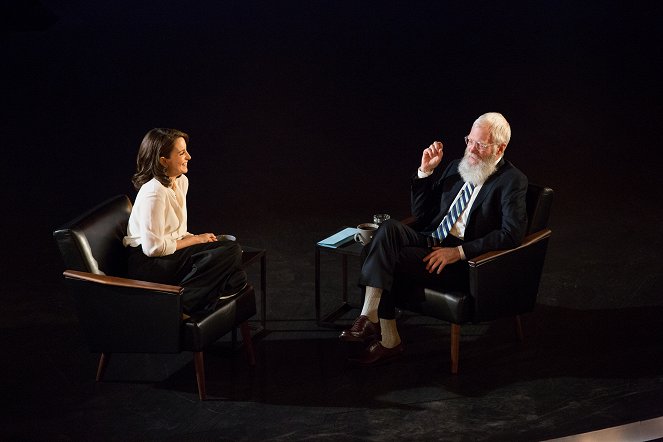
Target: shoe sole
point(350, 338)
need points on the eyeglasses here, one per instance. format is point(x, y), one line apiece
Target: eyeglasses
point(481, 146)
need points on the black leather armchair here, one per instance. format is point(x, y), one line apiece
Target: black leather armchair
point(502, 283)
point(121, 315)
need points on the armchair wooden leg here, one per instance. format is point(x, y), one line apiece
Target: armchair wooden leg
point(248, 342)
point(101, 368)
point(200, 374)
point(519, 329)
point(455, 344)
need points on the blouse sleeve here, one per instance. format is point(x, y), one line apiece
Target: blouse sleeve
point(154, 240)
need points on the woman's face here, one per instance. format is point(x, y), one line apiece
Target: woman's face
point(177, 163)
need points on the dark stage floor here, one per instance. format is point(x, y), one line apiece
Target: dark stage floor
point(305, 117)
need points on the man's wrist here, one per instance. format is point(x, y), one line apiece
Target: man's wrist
point(423, 174)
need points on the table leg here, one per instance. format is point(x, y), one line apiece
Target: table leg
point(263, 290)
point(328, 320)
point(317, 285)
point(345, 279)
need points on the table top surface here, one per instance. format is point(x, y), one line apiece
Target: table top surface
point(349, 248)
point(251, 254)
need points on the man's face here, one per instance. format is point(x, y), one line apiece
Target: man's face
point(474, 153)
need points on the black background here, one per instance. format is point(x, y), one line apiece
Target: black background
point(316, 112)
point(305, 116)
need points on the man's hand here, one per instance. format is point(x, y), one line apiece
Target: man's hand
point(431, 157)
point(440, 257)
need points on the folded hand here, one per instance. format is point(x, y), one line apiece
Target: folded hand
point(440, 257)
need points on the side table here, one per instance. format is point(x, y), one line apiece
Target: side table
point(350, 248)
point(251, 255)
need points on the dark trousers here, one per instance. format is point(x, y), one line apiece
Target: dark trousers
point(204, 271)
point(393, 261)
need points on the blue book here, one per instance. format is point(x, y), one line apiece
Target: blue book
point(339, 238)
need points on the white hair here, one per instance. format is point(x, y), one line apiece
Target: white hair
point(498, 127)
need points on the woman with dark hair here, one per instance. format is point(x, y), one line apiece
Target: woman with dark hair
point(161, 248)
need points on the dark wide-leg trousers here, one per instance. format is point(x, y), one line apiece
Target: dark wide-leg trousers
point(394, 262)
point(205, 271)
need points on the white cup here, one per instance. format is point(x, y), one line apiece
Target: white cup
point(365, 232)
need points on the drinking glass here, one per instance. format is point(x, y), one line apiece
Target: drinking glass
point(380, 218)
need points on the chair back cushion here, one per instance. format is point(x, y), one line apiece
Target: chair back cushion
point(93, 241)
point(539, 201)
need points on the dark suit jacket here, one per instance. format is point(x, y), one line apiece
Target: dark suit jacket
point(498, 217)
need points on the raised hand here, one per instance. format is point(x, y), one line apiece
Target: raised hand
point(431, 157)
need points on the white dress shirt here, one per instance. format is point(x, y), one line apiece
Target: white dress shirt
point(458, 229)
point(158, 218)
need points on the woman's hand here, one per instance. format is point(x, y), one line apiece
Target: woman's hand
point(205, 237)
point(431, 157)
point(190, 240)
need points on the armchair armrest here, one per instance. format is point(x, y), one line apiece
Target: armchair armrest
point(506, 282)
point(528, 241)
point(125, 315)
point(409, 220)
point(122, 282)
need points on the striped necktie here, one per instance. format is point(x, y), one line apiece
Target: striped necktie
point(455, 211)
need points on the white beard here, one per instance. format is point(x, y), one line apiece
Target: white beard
point(479, 173)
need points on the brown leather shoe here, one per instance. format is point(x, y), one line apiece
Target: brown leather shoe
point(376, 354)
point(363, 330)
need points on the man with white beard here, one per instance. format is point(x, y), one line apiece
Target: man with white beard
point(477, 204)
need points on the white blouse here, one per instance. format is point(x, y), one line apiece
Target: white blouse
point(158, 217)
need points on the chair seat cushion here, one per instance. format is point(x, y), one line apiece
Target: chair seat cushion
point(451, 306)
point(205, 327)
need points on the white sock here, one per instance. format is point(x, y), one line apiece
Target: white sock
point(371, 302)
point(390, 336)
